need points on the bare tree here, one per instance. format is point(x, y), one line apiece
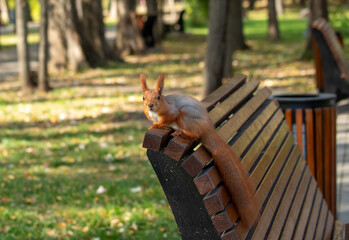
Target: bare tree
point(76, 33)
point(22, 46)
point(129, 39)
point(273, 25)
point(43, 82)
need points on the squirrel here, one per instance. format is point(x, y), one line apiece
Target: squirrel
point(189, 118)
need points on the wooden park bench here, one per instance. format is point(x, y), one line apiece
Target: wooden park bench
point(253, 124)
point(333, 74)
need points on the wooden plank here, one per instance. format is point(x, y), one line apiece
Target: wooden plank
point(262, 140)
point(226, 219)
point(216, 200)
point(328, 176)
point(310, 138)
point(276, 194)
point(328, 227)
point(305, 212)
point(198, 160)
point(311, 227)
point(224, 91)
point(224, 109)
point(268, 156)
point(272, 159)
point(253, 129)
point(286, 201)
point(319, 143)
point(299, 129)
point(156, 138)
point(231, 234)
point(320, 226)
point(288, 117)
point(208, 180)
point(296, 206)
point(251, 155)
point(178, 145)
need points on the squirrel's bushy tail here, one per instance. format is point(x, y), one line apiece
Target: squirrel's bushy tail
point(235, 177)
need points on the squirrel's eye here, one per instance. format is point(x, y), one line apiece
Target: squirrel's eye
point(159, 97)
point(143, 98)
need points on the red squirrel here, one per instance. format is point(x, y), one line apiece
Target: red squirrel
point(190, 120)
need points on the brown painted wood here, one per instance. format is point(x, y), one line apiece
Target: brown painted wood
point(262, 140)
point(250, 133)
point(281, 183)
point(333, 207)
point(225, 220)
point(286, 201)
point(329, 227)
point(311, 227)
point(299, 129)
point(327, 157)
point(320, 226)
point(208, 180)
point(288, 116)
point(156, 138)
point(269, 154)
point(305, 212)
point(319, 72)
point(200, 157)
point(177, 147)
point(310, 137)
point(230, 235)
point(296, 206)
point(224, 91)
point(319, 143)
point(216, 200)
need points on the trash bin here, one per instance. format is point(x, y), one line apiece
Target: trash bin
point(312, 120)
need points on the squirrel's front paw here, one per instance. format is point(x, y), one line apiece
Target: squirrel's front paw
point(176, 133)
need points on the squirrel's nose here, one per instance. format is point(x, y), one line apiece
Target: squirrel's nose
point(151, 105)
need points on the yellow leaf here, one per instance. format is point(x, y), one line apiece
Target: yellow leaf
point(61, 225)
point(85, 229)
point(5, 153)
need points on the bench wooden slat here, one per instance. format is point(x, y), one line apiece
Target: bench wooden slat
point(226, 219)
point(250, 133)
point(320, 226)
point(219, 197)
point(262, 140)
point(178, 146)
point(305, 212)
point(216, 200)
point(275, 164)
point(309, 126)
point(276, 193)
point(328, 230)
point(296, 206)
point(284, 207)
point(200, 157)
point(316, 207)
point(288, 117)
point(156, 138)
point(204, 184)
point(224, 91)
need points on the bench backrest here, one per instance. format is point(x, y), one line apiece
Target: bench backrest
point(253, 124)
point(335, 65)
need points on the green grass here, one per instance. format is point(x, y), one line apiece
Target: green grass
point(71, 161)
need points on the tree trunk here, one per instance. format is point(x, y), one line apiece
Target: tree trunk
point(273, 25)
point(279, 8)
point(4, 11)
point(318, 8)
point(236, 10)
point(216, 46)
point(43, 82)
point(22, 46)
point(76, 34)
point(129, 39)
point(251, 4)
point(150, 31)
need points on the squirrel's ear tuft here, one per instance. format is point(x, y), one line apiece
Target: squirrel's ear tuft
point(143, 82)
point(160, 83)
